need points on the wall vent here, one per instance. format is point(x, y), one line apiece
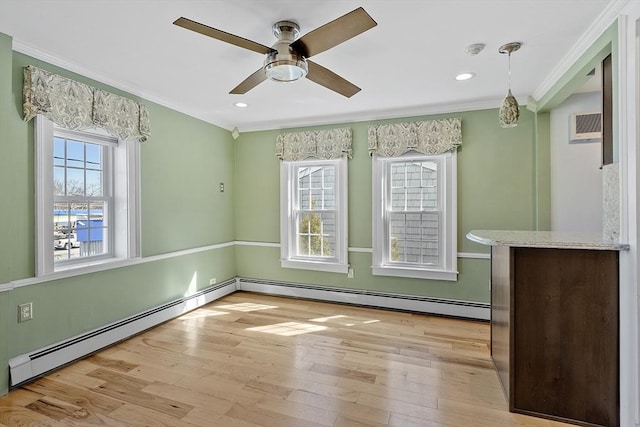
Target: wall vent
point(586, 127)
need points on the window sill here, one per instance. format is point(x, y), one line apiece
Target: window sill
point(78, 269)
point(415, 273)
point(329, 267)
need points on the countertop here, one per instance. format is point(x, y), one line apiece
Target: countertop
point(544, 239)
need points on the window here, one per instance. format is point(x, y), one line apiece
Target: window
point(414, 216)
point(313, 228)
point(86, 185)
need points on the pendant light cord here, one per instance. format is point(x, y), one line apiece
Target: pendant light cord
point(509, 71)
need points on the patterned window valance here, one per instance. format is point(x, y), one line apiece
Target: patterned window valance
point(427, 137)
point(78, 106)
point(321, 144)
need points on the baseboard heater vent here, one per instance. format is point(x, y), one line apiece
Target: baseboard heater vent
point(26, 367)
point(427, 305)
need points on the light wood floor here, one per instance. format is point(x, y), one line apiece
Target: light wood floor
point(251, 359)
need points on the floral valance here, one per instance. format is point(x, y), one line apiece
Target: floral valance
point(76, 106)
point(427, 137)
point(321, 144)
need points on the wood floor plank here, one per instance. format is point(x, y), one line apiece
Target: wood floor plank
point(129, 389)
point(58, 409)
point(260, 360)
point(265, 417)
point(87, 399)
point(138, 416)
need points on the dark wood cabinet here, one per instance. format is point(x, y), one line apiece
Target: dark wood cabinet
point(554, 332)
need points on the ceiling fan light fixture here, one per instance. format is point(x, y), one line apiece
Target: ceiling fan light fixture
point(283, 64)
point(286, 70)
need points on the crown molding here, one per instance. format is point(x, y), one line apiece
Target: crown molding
point(608, 16)
point(413, 111)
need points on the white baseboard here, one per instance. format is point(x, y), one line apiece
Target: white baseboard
point(427, 305)
point(25, 367)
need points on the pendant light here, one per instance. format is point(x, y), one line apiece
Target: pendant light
point(509, 111)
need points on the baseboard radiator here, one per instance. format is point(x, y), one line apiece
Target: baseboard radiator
point(419, 304)
point(26, 367)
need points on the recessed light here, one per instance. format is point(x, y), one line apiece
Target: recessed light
point(241, 104)
point(465, 76)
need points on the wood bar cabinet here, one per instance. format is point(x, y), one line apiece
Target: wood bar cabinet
point(554, 324)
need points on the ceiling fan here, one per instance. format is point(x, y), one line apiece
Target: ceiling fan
point(286, 60)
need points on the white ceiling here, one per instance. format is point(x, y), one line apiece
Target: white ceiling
point(405, 66)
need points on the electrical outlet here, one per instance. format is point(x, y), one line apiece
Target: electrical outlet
point(25, 312)
point(222, 187)
point(350, 273)
point(212, 281)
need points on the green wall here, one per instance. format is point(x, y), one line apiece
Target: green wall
point(501, 185)
point(181, 208)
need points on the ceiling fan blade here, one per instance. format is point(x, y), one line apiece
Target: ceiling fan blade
point(333, 33)
point(330, 80)
point(221, 35)
point(250, 82)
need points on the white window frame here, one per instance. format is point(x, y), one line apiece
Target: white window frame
point(288, 236)
point(447, 188)
point(125, 210)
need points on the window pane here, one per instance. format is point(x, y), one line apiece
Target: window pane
point(94, 183)
point(329, 177)
point(92, 230)
point(303, 177)
point(429, 198)
point(429, 174)
point(397, 226)
point(75, 182)
point(58, 181)
point(317, 177)
point(330, 198)
point(398, 199)
point(430, 226)
point(397, 175)
point(414, 199)
point(61, 219)
point(304, 199)
point(316, 234)
point(94, 158)
point(413, 171)
point(316, 199)
point(58, 152)
point(75, 154)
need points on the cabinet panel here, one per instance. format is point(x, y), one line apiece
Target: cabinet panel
point(565, 334)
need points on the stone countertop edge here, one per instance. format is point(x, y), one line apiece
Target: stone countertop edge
point(544, 239)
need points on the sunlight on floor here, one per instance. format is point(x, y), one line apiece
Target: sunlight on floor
point(288, 329)
point(202, 313)
point(325, 319)
point(246, 306)
point(351, 322)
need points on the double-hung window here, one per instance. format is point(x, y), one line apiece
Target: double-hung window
point(87, 198)
point(414, 216)
point(314, 215)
